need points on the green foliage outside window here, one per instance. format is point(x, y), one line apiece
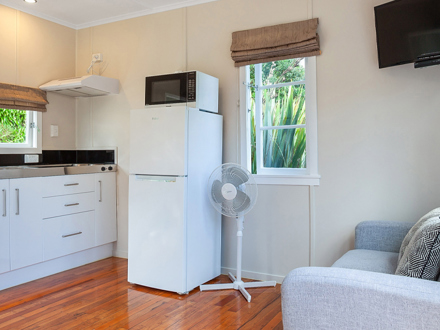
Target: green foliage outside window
point(12, 126)
point(282, 148)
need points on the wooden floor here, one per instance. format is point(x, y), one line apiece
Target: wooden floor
point(98, 296)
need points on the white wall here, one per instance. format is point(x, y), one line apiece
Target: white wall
point(377, 129)
point(35, 51)
point(61, 111)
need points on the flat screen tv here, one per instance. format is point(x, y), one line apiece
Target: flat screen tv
point(407, 30)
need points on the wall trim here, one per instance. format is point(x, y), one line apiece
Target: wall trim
point(255, 275)
point(18, 6)
point(309, 9)
point(120, 254)
point(225, 270)
point(149, 11)
point(312, 226)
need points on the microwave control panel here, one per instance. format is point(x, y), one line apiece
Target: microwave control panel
point(191, 86)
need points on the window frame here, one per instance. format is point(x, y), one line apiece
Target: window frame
point(34, 145)
point(281, 176)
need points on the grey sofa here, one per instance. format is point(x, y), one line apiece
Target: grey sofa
point(360, 290)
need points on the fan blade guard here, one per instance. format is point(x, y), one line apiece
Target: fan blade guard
point(233, 190)
point(235, 175)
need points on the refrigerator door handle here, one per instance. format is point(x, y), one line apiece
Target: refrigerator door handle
point(159, 178)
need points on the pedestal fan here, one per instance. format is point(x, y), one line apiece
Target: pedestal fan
point(233, 192)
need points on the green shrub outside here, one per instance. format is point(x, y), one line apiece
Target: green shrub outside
point(12, 126)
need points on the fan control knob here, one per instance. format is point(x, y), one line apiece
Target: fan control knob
point(229, 191)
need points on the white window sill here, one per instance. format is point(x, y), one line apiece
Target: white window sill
point(290, 180)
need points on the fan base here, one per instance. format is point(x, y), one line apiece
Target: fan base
point(237, 285)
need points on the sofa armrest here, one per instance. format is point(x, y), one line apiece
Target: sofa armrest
point(381, 235)
point(338, 298)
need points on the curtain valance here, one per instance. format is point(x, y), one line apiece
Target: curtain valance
point(277, 42)
point(22, 98)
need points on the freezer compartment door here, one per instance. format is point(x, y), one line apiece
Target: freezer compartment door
point(158, 140)
point(157, 234)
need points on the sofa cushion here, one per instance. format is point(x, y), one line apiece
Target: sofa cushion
point(381, 235)
point(412, 231)
point(369, 260)
point(421, 258)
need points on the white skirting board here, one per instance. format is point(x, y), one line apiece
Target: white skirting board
point(254, 275)
point(50, 267)
point(225, 270)
point(120, 254)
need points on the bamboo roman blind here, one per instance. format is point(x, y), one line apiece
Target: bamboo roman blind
point(22, 98)
point(274, 43)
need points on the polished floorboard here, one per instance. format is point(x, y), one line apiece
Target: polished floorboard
point(98, 296)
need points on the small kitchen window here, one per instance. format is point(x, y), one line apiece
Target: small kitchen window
point(21, 110)
point(19, 131)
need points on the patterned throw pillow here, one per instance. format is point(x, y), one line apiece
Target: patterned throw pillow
point(418, 224)
point(421, 258)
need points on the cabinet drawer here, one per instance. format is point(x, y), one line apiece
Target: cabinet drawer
point(68, 184)
point(68, 204)
point(68, 234)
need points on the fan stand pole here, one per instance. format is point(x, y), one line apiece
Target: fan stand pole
point(237, 283)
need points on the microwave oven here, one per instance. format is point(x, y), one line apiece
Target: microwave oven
point(194, 88)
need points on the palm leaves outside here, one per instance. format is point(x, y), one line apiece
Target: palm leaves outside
point(285, 147)
point(12, 126)
point(282, 148)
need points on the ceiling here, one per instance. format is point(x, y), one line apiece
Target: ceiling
point(79, 14)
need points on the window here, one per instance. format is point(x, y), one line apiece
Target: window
point(19, 132)
point(279, 121)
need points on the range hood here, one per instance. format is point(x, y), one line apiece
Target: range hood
point(87, 86)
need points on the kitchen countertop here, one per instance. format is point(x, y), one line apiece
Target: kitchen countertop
point(28, 171)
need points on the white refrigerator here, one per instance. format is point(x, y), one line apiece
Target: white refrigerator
point(174, 233)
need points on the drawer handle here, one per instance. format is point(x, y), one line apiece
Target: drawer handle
point(71, 184)
point(100, 191)
point(74, 234)
point(17, 191)
point(73, 204)
point(4, 202)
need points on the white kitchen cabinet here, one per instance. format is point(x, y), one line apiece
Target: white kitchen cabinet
point(67, 184)
point(53, 223)
point(105, 208)
point(26, 237)
point(44, 218)
point(5, 264)
point(68, 234)
point(68, 204)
